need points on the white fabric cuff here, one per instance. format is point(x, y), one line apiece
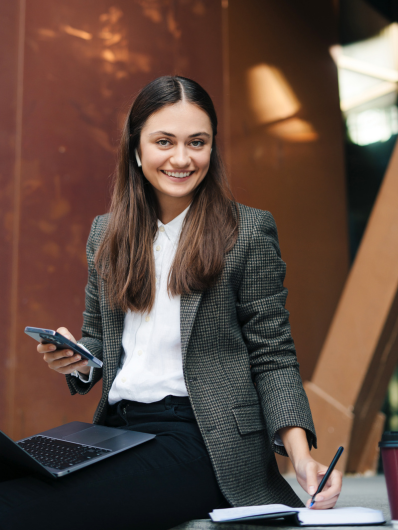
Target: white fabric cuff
point(278, 440)
point(81, 376)
point(84, 378)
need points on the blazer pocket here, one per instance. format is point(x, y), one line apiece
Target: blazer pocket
point(249, 418)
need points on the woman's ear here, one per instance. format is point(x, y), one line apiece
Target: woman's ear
point(139, 164)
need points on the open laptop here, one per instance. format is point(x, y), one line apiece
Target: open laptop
point(65, 449)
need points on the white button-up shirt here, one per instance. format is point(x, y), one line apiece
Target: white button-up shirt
point(151, 363)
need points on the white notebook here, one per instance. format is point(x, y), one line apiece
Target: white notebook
point(300, 516)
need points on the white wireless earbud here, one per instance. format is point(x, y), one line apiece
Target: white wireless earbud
point(139, 164)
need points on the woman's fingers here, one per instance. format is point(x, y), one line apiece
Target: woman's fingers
point(66, 365)
point(311, 470)
point(46, 347)
point(63, 361)
point(71, 367)
point(329, 495)
point(51, 356)
point(66, 333)
point(333, 486)
point(323, 504)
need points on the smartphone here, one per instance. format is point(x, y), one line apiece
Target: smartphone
point(48, 336)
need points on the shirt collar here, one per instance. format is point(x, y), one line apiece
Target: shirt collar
point(174, 227)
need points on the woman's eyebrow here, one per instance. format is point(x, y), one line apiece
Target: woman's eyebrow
point(199, 134)
point(164, 133)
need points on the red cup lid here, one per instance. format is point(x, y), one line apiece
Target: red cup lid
point(389, 439)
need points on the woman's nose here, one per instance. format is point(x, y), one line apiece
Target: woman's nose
point(180, 157)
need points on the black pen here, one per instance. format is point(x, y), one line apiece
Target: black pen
point(327, 474)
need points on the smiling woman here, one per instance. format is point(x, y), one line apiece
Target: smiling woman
point(171, 128)
point(185, 307)
point(176, 162)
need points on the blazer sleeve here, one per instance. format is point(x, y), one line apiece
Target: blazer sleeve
point(266, 331)
point(92, 319)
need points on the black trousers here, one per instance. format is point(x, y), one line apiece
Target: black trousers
point(154, 486)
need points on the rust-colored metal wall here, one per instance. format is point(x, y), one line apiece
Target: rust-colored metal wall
point(8, 104)
point(69, 71)
point(286, 151)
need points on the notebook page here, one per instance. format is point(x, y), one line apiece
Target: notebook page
point(339, 516)
point(229, 514)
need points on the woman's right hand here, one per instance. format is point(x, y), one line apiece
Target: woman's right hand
point(63, 361)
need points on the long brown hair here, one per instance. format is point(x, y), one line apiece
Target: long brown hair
point(210, 229)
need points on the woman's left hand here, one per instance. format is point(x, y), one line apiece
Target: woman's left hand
point(309, 474)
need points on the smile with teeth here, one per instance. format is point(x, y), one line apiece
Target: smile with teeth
point(177, 174)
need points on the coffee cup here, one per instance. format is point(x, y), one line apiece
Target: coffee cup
point(389, 454)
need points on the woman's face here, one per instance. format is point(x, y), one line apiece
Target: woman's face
point(175, 147)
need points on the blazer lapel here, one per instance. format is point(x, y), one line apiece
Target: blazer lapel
point(116, 322)
point(188, 310)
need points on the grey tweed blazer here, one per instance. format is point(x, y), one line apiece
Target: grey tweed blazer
point(239, 361)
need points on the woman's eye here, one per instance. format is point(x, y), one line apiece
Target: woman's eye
point(197, 143)
point(163, 143)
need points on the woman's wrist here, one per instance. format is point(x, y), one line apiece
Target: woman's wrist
point(295, 442)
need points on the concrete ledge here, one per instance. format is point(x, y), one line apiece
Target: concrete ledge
point(369, 492)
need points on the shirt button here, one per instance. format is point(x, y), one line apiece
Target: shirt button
point(123, 379)
point(139, 352)
point(158, 247)
point(161, 229)
point(147, 319)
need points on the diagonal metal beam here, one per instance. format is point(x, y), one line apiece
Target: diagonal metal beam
point(361, 349)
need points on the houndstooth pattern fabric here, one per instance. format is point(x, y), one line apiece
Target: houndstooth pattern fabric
point(239, 361)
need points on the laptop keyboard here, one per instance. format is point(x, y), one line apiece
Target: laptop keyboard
point(59, 454)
